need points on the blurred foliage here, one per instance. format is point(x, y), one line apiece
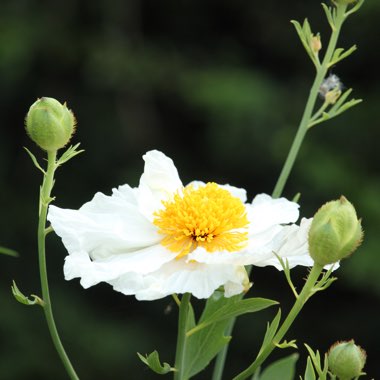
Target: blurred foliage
point(217, 85)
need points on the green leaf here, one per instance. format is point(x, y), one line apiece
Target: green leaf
point(25, 300)
point(153, 362)
point(233, 310)
point(207, 338)
point(271, 330)
point(35, 162)
point(283, 369)
point(299, 30)
point(309, 372)
point(316, 359)
point(355, 8)
point(305, 34)
point(9, 252)
point(340, 101)
point(329, 16)
point(340, 54)
point(69, 154)
point(203, 346)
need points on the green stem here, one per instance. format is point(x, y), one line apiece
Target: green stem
point(45, 194)
point(305, 294)
point(293, 152)
point(180, 355)
point(310, 104)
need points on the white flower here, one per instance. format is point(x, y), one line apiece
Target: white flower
point(162, 238)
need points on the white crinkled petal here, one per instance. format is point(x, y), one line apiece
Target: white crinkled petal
point(200, 255)
point(103, 227)
point(178, 276)
point(266, 212)
point(133, 264)
point(159, 182)
point(291, 244)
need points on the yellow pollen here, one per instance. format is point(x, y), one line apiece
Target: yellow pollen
point(207, 216)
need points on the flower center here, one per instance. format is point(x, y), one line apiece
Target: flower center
point(208, 217)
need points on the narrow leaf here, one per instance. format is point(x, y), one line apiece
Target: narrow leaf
point(283, 369)
point(25, 300)
point(316, 359)
point(309, 372)
point(69, 154)
point(340, 101)
point(229, 311)
point(348, 105)
point(306, 28)
point(299, 30)
point(153, 362)
point(355, 8)
point(340, 54)
point(34, 159)
point(271, 330)
point(8, 251)
point(329, 15)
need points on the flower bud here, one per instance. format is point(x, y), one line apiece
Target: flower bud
point(50, 124)
point(335, 232)
point(315, 43)
point(332, 96)
point(346, 360)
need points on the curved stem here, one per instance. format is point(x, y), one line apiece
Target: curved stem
point(305, 294)
point(310, 104)
point(180, 355)
point(45, 199)
point(295, 147)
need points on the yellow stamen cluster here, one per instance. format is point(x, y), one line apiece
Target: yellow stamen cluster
point(207, 216)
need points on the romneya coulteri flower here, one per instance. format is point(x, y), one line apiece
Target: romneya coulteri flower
point(163, 237)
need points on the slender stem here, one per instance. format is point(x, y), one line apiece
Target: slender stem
point(310, 104)
point(180, 355)
point(305, 294)
point(293, 152)
point(44, 202)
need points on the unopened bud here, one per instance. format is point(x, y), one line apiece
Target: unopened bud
point(315, 43)
point(346, 360)
point(335, 232)
point(50, 124)
point(332, 96)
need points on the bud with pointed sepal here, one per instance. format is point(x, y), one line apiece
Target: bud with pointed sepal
point(50, 124)
point(346, 360)
point(335, 232)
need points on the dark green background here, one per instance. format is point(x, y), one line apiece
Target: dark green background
point(219, 86)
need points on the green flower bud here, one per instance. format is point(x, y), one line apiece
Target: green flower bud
point(50, 124)
point(335, 232)
point(346, 360)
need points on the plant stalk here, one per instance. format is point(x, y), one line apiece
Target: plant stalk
point(305, 294)
point(180, 355)
point(45, 194)
point(294, 149)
